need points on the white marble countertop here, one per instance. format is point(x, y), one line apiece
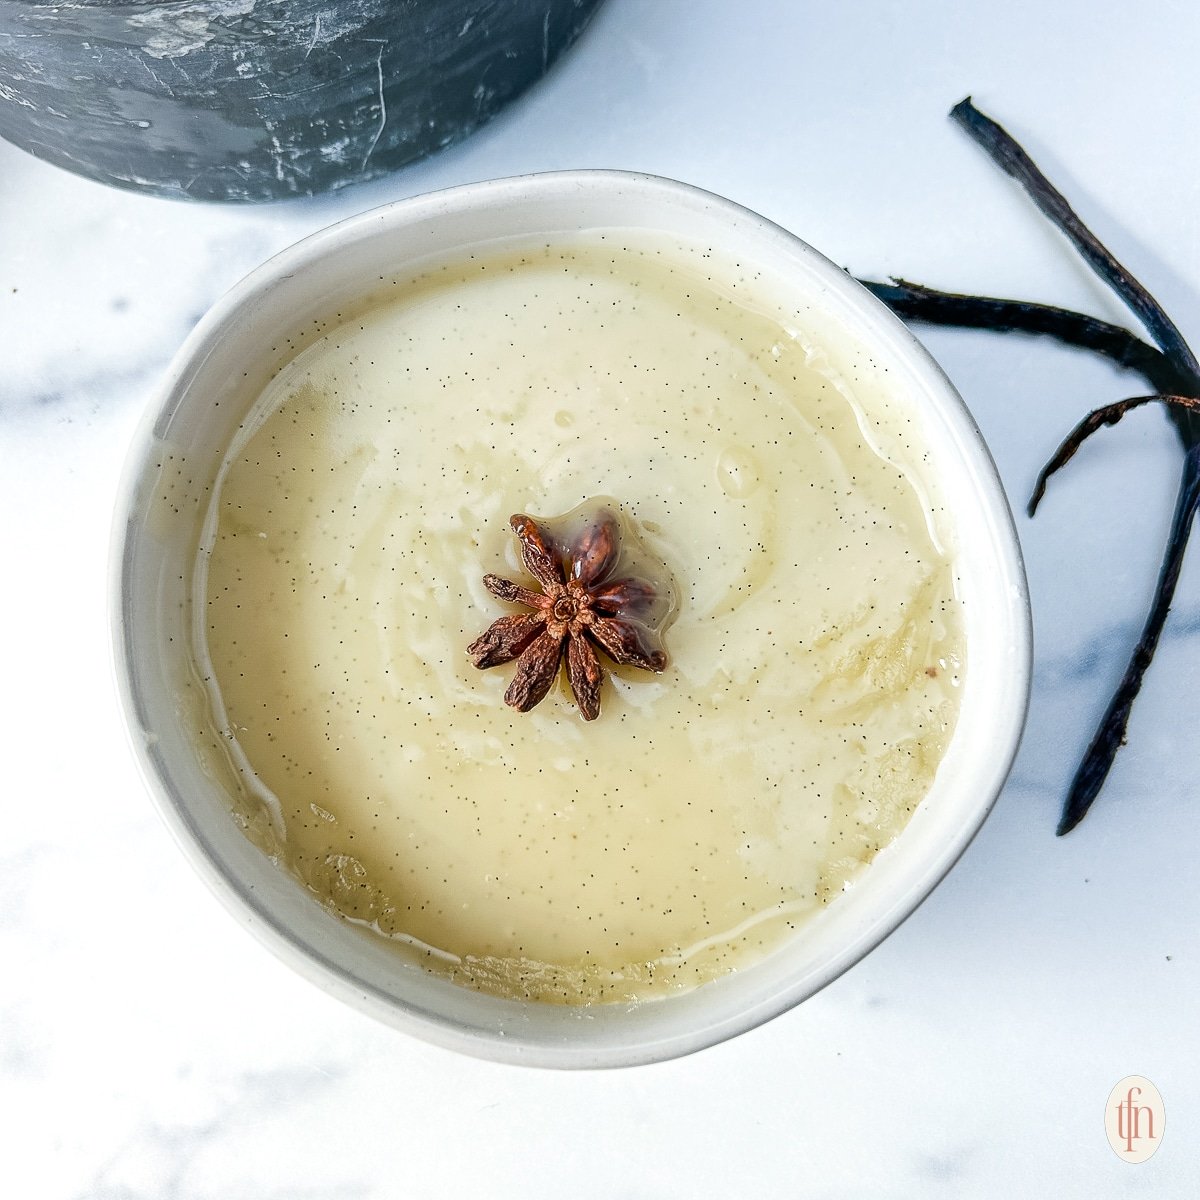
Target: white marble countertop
point(149, 1048)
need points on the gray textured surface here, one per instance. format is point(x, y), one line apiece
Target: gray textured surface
point(262, 99)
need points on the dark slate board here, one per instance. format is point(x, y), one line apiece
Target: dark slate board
point(263, 99)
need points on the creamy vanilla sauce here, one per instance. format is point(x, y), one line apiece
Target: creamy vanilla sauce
point(816, 655)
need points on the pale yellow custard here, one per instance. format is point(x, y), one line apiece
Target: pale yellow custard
point(816, 651)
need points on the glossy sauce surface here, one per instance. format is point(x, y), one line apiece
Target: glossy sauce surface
point(816, 650)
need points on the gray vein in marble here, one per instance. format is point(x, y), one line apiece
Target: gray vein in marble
point(943, 1169)
point(168, 1153)
point(89, 390)
point(23, 1052)
point(123, 348)
point(1107, 649)
point(16, 873)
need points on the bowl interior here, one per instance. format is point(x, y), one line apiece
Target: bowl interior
point(227, 361)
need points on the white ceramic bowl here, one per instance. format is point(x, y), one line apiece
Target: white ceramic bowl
point(226, 362)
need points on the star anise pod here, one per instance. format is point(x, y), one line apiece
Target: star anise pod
point(581, 608)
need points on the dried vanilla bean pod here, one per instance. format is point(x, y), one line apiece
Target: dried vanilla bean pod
point(1171, 368)
point(926, 305)
point(1004, 150)
point(1108, 414)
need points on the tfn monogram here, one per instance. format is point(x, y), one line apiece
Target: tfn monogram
point(1134, 1121)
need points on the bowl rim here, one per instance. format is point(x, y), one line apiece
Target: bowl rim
point(307, 959)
